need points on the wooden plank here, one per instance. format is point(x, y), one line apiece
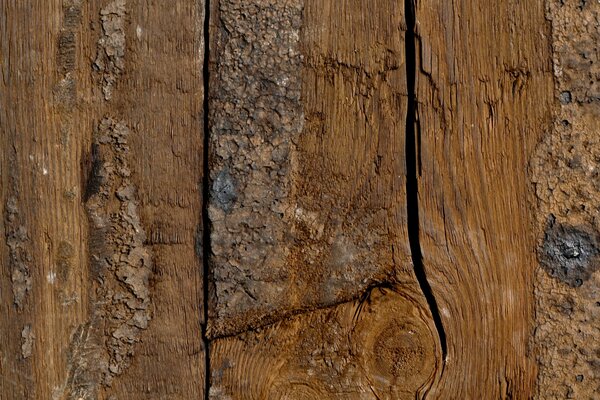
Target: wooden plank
point(102, 105)
point(159, 97)
point(483, 87)
point(309, 218)
point(307, 157)
point(379, 347)
point(44, 246)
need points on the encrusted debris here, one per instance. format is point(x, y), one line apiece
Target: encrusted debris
point(570, 254)
point(566, 174)
point(27, 338)
point(110, 61)
point(257, 116)
point(121, 265)
point(65, 90)
point(19, 248)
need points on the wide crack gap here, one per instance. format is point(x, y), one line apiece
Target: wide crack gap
point(412, 171)
point(205, 198)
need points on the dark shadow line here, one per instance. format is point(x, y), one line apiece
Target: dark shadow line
point(206, 228)
point(413, 170)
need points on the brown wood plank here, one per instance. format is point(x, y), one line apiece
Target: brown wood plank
point(483, 87)
point(102, 134)
point(332, 221)
point(308, 193)
point(43, 130)
point(159, 96)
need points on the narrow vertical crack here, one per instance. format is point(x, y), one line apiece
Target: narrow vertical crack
point(412, 171)
point(205, 197)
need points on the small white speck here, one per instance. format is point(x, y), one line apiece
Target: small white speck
point(138, 32)
point(51, 277)
point(44, 170)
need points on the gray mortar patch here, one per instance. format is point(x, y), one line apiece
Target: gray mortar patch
point(570, 254)
point(110, 60)
point(257, 116)
point(103, 348)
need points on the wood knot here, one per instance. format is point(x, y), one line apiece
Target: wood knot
point(398, 351)
point(397, 347)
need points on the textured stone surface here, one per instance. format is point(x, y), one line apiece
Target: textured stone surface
point(566, 174)
point(256, 116)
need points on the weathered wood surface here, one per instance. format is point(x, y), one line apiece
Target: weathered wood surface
point(101, 106)
point(378, 347)
point(484, 89)
point(312, 215)
point(398, 207)
point(307, 156)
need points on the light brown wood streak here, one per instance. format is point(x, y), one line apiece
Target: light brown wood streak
point(351, 152)
point(483, 90)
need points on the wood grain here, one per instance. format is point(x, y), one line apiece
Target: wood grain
point(101, 289)
point(343, 226)
point(160, 96)
point(379, 347)
point(483, 89)
point(44, 246)
point(346, 261)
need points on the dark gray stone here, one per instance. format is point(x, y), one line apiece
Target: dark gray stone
point(570, 253)
point(224, 192)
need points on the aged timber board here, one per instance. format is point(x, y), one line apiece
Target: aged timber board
point(102, 286)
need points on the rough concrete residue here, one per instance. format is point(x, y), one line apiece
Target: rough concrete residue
point(19, 255)
point(257, 115)
point(110, 61)
point(27, 338)
point(566, 174)
point(121, 264)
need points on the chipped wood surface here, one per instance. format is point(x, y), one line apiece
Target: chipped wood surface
point(397, 199)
